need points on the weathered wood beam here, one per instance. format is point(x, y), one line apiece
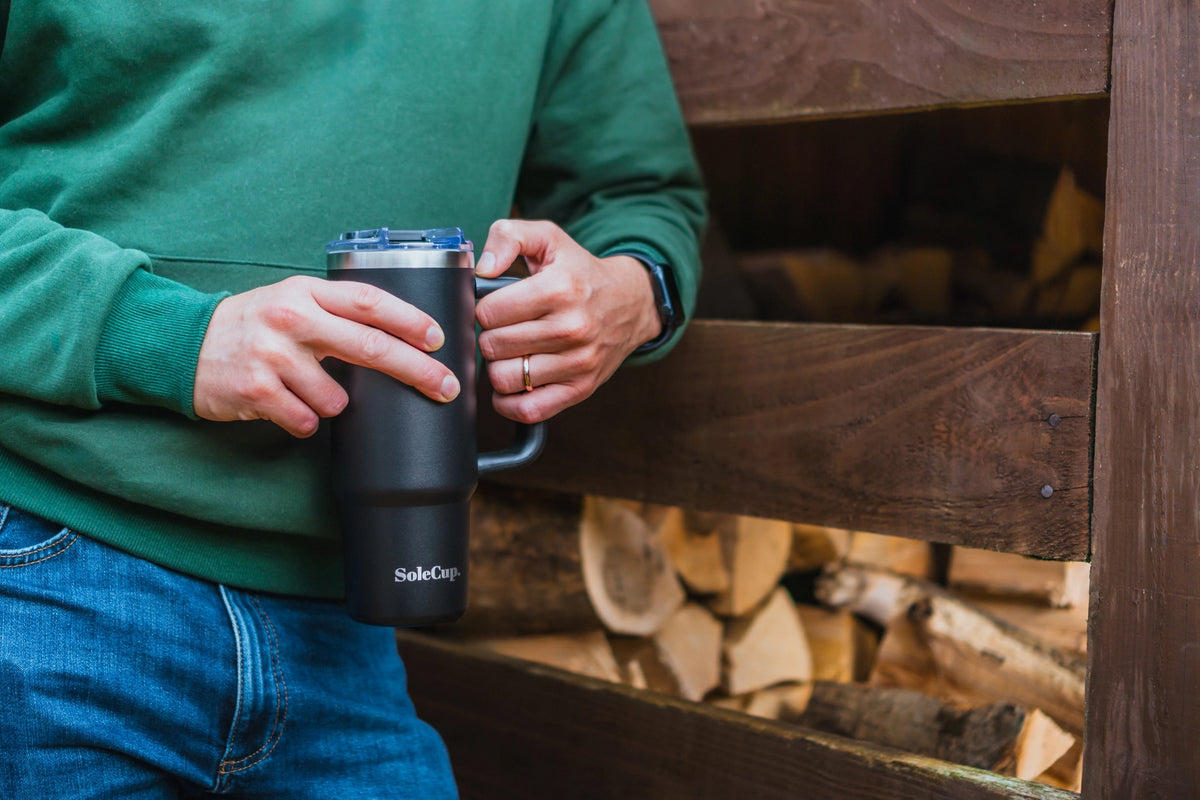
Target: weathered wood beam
point(966, 436)
point(517, 730)
point(1143, 711)
point(754, 60)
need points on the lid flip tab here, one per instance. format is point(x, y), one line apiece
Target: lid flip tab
point(389, 239)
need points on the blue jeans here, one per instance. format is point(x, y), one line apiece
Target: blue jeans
point(120, 679)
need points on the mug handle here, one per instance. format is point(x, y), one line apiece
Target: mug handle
point(530, 438)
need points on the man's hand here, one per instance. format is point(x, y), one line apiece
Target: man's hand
point(576, 317)
point(261, 357)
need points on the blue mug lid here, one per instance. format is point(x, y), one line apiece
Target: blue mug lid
point(388, 239)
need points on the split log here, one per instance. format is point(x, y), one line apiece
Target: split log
point(976, 651)
point(954, 650)
point(921, 276)
point(843, 649)
point(689, 644)
point(767, 647)
point(696, 553)
point(1073, 228)
point(984, 573)
point(893, 553)
point(582, 653)
point(626, 569)
point(525, 567)
point(814, 546)
point(643, 667)
point(904, 660)
point(832, 286)
point(632, 673)
point(1057, 628)
point(682, 659)
point(1066, 258)
point(994, 736)
point(1067, 772)
point(1040, 745)
point(965, 658)
point(1075, 295)
point(785, 702)
point(812, 284)
point(753, 551)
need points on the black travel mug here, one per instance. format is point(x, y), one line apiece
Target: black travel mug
point(404, 466)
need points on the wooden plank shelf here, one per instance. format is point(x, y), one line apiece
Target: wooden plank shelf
point(740, 61)
point(976, 437)
point(518, 730)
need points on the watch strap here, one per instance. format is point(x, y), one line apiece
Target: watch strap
point(666, 300)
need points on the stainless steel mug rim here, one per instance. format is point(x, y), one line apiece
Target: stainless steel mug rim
point(401, 259)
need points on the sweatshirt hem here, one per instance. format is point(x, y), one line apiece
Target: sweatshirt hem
point(293, 565)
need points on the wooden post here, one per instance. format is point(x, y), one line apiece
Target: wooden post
point(1143, 710)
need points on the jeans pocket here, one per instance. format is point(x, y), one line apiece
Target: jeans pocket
point(28, 539)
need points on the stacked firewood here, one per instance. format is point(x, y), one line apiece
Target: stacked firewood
point(969, 656)
point(1055, 283)
point(843, 631)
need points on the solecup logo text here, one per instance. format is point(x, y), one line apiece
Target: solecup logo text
point(431, 574)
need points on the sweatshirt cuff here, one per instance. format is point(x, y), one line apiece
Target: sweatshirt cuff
point(151, 341)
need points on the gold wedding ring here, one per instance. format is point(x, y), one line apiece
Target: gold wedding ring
point(525, 373)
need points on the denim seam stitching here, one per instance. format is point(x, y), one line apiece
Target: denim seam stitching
point(274, 736)
point(53, 541)
point(58, 540)
point(238, 631)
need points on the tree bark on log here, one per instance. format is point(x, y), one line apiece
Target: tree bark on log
point(983, 737)
point(525, 566)
point(948, 641)
point(976, 651)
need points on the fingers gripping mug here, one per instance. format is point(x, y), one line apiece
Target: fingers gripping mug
point(405, 466)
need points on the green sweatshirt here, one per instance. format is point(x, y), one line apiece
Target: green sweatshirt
point(155, 157)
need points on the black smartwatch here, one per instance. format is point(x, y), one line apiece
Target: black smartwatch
point(666, 300)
